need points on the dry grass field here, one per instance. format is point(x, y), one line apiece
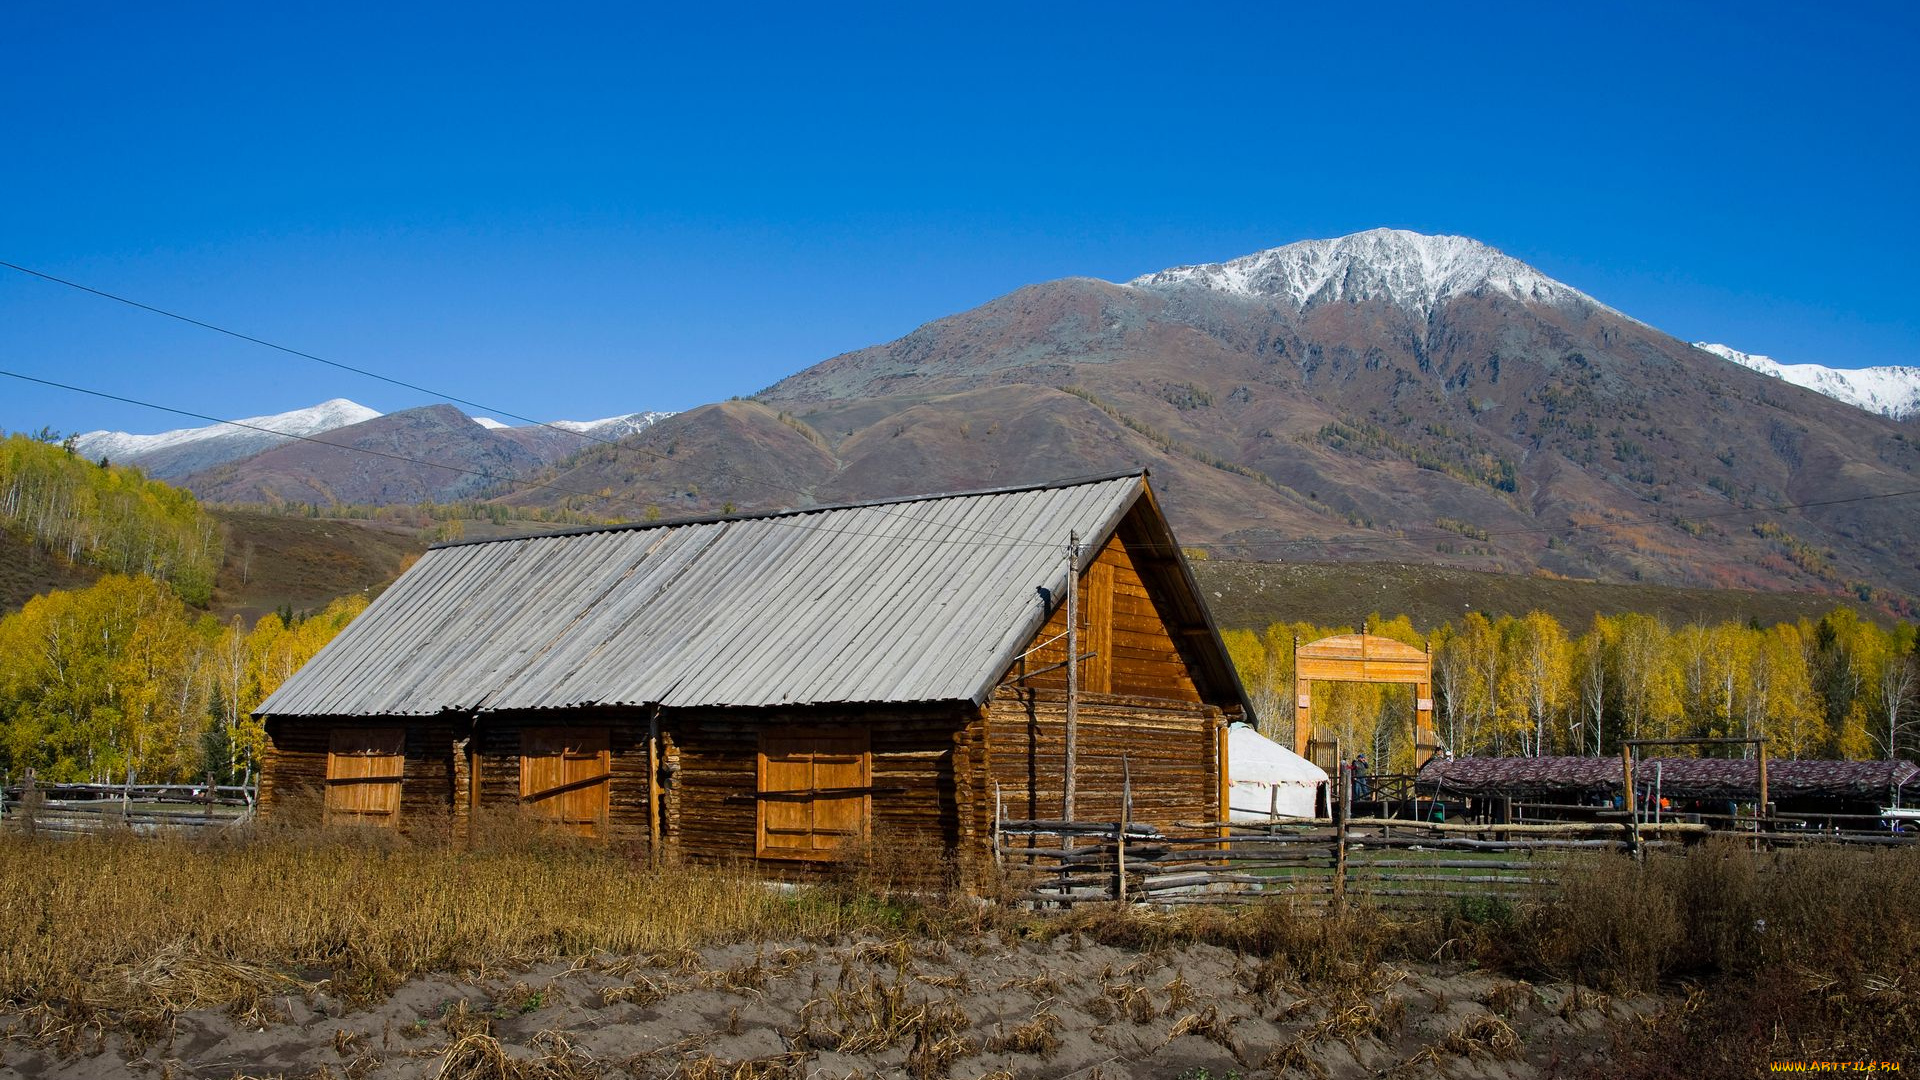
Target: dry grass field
point(309, 955)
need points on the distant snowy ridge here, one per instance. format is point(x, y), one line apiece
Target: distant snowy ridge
point(611, 427)
point(130, 449)
point(1411, 270)
point(183, 452)
point(614, 427)
point(1889, 391)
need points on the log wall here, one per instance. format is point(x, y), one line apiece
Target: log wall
point(1171, 749)
point(1137, 652)
point(494, 759)
point(712, 803)
point(293, 769)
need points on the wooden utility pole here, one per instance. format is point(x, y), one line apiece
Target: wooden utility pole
point(653, 787)
point(1073, 671)
point(1632, 804)
point(1344, 784)
point(1120, 838)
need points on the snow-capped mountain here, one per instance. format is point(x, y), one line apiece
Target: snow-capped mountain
point(611, 427)
point(1416, 272)
point(614, 427)
point(185, 450)
point(1889, 391)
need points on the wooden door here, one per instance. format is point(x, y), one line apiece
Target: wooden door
point(563, 777)
point(365, 767)
point(815, 791)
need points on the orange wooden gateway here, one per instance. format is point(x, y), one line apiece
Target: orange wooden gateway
point(1361, 658)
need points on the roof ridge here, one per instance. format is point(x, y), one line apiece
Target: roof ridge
point(712, 519)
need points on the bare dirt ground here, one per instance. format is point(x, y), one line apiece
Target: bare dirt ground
point(981, 1005)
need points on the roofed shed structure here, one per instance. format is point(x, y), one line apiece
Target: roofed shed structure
point(774, 686)
point(1806, 785)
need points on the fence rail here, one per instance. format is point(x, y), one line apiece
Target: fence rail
point(1324, 862)
point(32, 807)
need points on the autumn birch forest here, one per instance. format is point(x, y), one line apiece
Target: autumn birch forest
point(1836, 687)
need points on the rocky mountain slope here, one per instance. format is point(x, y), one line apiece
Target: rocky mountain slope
point(453, 457)
point(1384, 395)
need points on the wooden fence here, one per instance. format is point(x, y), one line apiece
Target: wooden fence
point(1316, 863)
point(31, 807)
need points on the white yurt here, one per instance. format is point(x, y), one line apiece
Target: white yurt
point(1268, 778)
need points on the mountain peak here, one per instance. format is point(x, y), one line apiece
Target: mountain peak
point(1412, 270)
point(236, 439)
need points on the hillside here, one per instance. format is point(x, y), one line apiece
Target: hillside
point(1252, 596)
point(85, 518)
point(27, 569)
point(1317, 400)
point(306, 472)
point(275, 561)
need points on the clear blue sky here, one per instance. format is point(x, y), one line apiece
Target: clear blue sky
point(573, 211)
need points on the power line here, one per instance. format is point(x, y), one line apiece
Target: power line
point(510, 478)
point(429, 391)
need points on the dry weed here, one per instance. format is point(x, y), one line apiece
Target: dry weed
point(1039, 1036)
point(1179, 993)
point(1511, 999)
point(895, 953)
point(152, 926)
point(863, 1017)
point(1209, 1025)
point(1483, 1035)
point(476, 1056)
point(643, 991)
point(709, 1067)
point(1295, 1058)
point(743, 979)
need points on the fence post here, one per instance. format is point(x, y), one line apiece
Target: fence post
point(29, 804)
point(1120, 832)
point(1630, 801)
point(999, 814)
point(1340, 837)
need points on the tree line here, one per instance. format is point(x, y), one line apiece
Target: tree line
point(124, 675)
point(107, 516)
point(1836, 687)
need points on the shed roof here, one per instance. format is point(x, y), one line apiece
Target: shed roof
point(924, 599)
point(1685, 778)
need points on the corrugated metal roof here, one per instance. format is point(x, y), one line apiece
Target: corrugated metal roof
point(911, 600)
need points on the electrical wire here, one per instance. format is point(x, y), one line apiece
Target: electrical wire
point(429, 391)
point(516, 480)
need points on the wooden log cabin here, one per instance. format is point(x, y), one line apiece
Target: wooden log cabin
point(776, 686)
